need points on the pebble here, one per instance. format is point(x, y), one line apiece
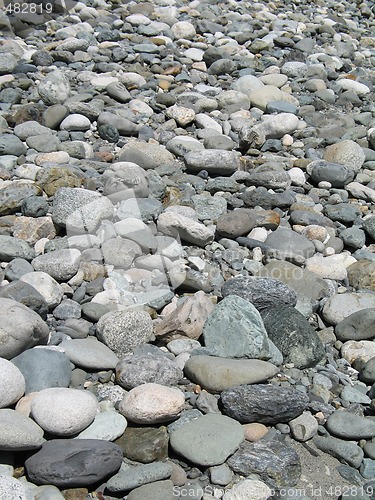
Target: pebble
point(107, 425)
point(89, 354)
point(129, 477)
point(29, 435)
point(14, 384)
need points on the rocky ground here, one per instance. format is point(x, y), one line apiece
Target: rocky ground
point(187, 247)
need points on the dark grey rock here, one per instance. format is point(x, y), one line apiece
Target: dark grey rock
point(235, 329)
point(293, 335)
point(369, 226)
point(275, 463)
point(69, 463)
point(266, 404)
point(43, 368)
point(358, 326)
point(11, 248)
point(353, 237)
point(307, 218)
point(334, 173)
point(262, 198)
point(368, 372)
point(139, 369)
point(11, 145)
point(27, 295)
point(342, 212)
point(289, 243)
point(236, 223)
point(34, 206)
point(16, 268)
point(261, 292)
point(338, 448)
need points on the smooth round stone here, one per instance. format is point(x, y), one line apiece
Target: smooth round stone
point(63, 412)
point(181, 145)
point(18, 432)
point(254, 431)
point(247, 84)
point(248, 489)
point(336, 174)
point(11, 145)
point(12, 248)
point(236, 223)
point(16, 268)
point(183, 29)
point(129, 478)
point(217, 374)
point(347, 425)
point(341, 449)
point(160, 490)
point(152, 403)
point(54, 369)
point(332, 267)
point(47, 286)
point(56, 462)
point(347, 153)
point(89, 354)
point(357, 87)
point(20, 328)
point(54, 88)
point(107, 425)
point(75, 122)
point(180, 346)
point(289, 243)
point(358, 326)
point(13, 383)
point(361, 350)
point(340, 306)
point(118, 91)
point(29, 129)
point(13, 489)
point(60, 264)
point(67, 309)
point(218, 437)
point(138, 369)
point(215, 161)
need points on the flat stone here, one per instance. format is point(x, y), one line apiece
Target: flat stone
point(275, 463)
point(89, 354)
point(235, 329)
point(107, 425)
point(20, 328)
point(346, 425)
point(13, 386)
point(152, 403)
point(129, 477)
point(56, 464)
point(343, 450)
point(266, 404)
point(63, 412)
point(54, 369)
point(218, 374)
point(144, 444)
point(18, 432)
point(218, 437)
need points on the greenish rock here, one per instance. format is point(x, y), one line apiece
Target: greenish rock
point(274, 462)
point(208, 440)
point(369, 226)
point(361, 275)
point(144, 444)
point(290, 331)
point(235, 329)
point(209, 207)
point(342, 212)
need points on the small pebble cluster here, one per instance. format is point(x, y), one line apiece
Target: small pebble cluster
point(187, 251)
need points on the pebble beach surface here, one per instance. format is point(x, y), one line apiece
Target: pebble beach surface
point(187, 251)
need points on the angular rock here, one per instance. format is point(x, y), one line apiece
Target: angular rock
point(69, 463)
point(20, 328)
point(218, 374)
point(186, 320)
point(138, 369)
point(293, 335)
point(275, 463)
point(123, 331)
point(266, 404)
point(261, 292)
point(235, 329)
point(207, 440)
point(144, 444)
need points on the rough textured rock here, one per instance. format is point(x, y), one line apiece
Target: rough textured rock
point(266, 404)
point(275, 463)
